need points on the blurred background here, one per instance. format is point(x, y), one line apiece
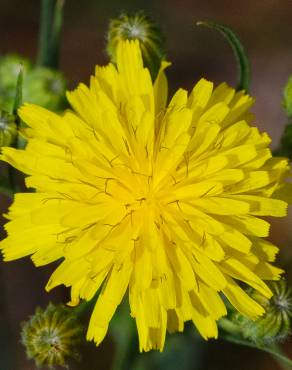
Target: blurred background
point(264, 27)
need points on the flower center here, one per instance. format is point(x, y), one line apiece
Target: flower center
point(144, 195)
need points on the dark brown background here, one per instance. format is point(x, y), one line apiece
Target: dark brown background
point(264, 26)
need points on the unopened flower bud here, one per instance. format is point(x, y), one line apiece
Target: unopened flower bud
point(140, 27)
point(10, 66)
point(8, 129)
point(287, 97)
point(51, 336)
point(42, 86)
point(9, 69)
point(45, 87)
point(274, 325)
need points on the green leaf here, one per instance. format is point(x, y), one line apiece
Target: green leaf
point(50, 33)
point(239, 52)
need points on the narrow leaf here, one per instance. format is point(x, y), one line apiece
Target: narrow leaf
point(18, 91)
point(239, 52)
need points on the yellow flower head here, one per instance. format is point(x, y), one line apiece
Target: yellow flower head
point(164, 201)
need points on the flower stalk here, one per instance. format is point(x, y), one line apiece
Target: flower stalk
point(50, 33)
point(239, 52)
point(124, 334)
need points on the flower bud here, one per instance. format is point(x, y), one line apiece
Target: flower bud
point(51, 336)
point(45, 87)
point(8, 129)
point(287, 97)
point(9, 70)
point(141, 27)
point(274, 325)
point(42, 86)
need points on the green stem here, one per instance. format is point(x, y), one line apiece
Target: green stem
point(271, 350)
point(233, 334)
point(125, 353)
point(50, 31)
point(124, 334)
point(56, 34)
point(283, 365)
point(47, 14)
point(239, 52)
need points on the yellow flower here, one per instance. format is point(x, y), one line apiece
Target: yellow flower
point(165, 201)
